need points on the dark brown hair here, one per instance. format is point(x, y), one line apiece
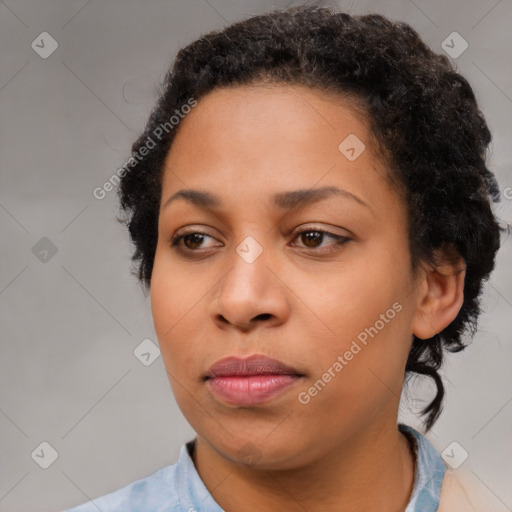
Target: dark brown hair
point(424, 119)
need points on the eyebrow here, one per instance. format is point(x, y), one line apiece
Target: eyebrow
point(282, 200)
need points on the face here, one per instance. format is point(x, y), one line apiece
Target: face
point(318, 280)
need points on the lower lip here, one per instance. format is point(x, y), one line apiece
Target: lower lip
point(250, 390)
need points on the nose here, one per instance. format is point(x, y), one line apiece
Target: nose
point(250, 294)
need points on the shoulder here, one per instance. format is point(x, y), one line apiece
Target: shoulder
point(154, 493)
point(175, 488)
point(462, 492)
point(454, 497)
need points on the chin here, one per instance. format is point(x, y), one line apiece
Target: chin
point(278, 453)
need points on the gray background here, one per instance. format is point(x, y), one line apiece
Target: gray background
point(70, 324)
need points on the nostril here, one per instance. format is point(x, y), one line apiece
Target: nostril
point(223, 319)
point(263, 316)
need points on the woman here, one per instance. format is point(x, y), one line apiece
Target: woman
point(311, 212)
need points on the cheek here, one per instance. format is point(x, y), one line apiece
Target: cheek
point(175, 304)
point(353, 299)
point(366, 316)
point(176, 294)
point(356, 381)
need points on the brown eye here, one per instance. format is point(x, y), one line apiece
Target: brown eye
point(192, 241)
point(313, 238)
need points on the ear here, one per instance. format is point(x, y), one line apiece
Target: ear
point(440, 295)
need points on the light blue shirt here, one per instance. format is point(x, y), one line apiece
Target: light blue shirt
point(179, 488)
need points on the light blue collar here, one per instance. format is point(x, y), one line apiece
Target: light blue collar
point(428, 477)
point(428, 474)
point(192, 493)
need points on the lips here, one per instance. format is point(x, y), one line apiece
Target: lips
point(254, 365)
point(251, 381)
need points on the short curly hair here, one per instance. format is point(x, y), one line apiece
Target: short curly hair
point(425, 124)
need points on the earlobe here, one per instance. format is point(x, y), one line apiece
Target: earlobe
point(440, 298)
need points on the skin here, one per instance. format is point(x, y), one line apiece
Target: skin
point(302, 302)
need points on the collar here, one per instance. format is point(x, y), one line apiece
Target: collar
point(429, 471)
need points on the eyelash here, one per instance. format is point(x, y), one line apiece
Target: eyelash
point(339, 239)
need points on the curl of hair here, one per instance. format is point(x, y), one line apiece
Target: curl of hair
point(425, 125)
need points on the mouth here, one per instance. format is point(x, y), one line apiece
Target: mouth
point(250, 381)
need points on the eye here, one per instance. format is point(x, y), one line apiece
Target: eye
point(191, 241)
point(313, 237)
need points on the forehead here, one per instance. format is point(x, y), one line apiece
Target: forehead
point(251, 138)
point(253, 113)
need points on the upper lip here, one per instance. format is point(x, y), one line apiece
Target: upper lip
point(253, 365)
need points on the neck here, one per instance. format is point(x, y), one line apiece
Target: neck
point(373, 472)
